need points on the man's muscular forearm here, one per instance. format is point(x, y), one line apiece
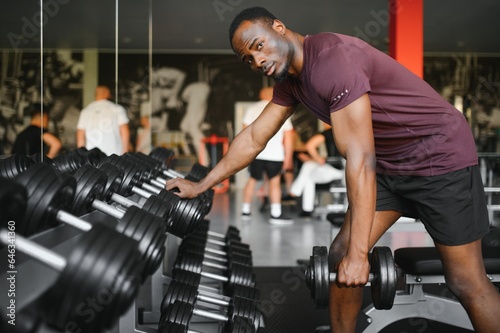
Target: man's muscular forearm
point(240, 154)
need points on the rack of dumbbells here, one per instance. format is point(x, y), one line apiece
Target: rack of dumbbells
point(95, 243)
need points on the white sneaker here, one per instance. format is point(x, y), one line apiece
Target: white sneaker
point(281, 220)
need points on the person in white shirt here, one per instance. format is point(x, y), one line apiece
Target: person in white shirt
point(277, 156)
point(103, 124)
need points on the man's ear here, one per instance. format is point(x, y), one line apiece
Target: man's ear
point(279, 27)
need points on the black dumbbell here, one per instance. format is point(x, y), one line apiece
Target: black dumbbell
point(163, 155)
point(159, 182)
point(181, 313)
point(12, 201)
point(383, 277)
point(201, 247)
point(224, 247)
point(93, 156)
point(103, 266)
point(49, 194)
point(188, 211)
point(153, 172)
point(197, 172)
point(235, 273)
point(232, 233)
point(13, 165)
point(69, 162)
point(194, 279)
point(177, 213)
point(237, 325)
point(198, 246)
point(192, 255)
point(96, 181)
point(179, 290)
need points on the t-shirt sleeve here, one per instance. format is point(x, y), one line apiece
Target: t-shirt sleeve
point(349, 66)
point(122, 116)
point(282, 94)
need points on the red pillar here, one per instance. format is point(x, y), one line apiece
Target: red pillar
point(406, 33)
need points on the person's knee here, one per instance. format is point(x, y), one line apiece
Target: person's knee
point(465, 285)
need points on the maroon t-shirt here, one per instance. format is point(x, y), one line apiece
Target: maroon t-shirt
point(417, 132)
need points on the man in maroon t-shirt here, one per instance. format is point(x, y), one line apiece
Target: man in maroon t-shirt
point(408, 152)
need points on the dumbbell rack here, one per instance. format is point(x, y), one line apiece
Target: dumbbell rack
point(142, 316)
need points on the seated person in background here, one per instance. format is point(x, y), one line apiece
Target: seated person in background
point(315, 170)
point(29, 141)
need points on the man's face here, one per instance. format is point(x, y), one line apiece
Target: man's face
point(263, 48)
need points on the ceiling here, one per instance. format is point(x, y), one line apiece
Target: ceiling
point(200, 26)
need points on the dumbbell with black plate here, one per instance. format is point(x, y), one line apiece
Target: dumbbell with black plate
point(178, 291)
point(192, 256)
point(93, 156)
point(194, 279)
point(163, 155)
point(235, 273)
point(71, 161)
point(157, 179)
point(226, 248)
point(189, 211)
point(231, 253)
point(13, 165)
point(383, 277)
point(152, 172)
point(182, 291)
point(181, 313)
point(236, 325)
point(178, 214)
point(200, 236)
point(197, 172)
point(232, 233)
point(103, 267)
point(94, 183)
point(49, 194)
point(12, 201)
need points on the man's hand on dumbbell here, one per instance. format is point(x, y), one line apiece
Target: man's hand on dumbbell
point(353, 272)
point(382, 276)
point(184, 188)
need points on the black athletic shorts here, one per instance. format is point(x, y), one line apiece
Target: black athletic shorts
point(271, 168)
point(452, 206)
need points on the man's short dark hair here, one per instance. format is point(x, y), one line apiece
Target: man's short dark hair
point(250, 14)
point(36, 110)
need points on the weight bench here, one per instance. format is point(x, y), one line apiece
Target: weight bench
point(420, 266)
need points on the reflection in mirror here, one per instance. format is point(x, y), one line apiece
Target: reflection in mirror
point(132, 68)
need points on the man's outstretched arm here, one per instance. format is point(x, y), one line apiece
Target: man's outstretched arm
point(242, 151)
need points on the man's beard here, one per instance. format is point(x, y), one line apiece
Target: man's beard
point(283, 74)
